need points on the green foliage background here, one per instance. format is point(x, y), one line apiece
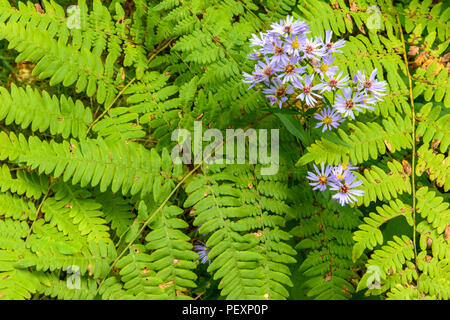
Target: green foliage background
point(86, 177)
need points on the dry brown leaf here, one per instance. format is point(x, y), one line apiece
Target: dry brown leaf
point(353, 7)
point(388, 145)
point(447, 232)
point(413, 51)
point(39, 8)
point(406, 167)
point(164, 285)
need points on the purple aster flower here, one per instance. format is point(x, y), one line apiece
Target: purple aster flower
point(307, 89)
point(346, 189)
point(313, 48)
point(371, 85)
point(333, 46)
point(347, 103)
point(320, 178)
point(290, 72)
point(335, 82)
point(289, 27)
point(266, 69)
point(252, 78)
point(324, 67)
point(299, 27)
point(202, 252)
point(278, 48)
point(278, 92)
point(294, 43)
point(371, 101)
point(255, 55)
point(340, 171)
point(328, 118)
point(260, 41)
point(273, 99)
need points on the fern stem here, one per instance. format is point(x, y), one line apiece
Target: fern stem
point(110, 106)
point(37, 212)
point(413, 156)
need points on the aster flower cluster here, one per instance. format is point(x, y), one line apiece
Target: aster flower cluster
point(292, 64)
point(289, 63)
point(340, 178)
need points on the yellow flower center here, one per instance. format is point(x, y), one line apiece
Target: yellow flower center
point(327, 120)
point(344, 166)
point(340, 176)
point(295, 44)
point(323, 180)
point(324, 67)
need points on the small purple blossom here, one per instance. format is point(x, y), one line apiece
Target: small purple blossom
point(291, 72)
point(340, 171)
point(335, 82)
point(278, 49)
point(278, 92)
point(289, 27)
point(255, 55)
point(202, 252)
point(347, 103)
point(307, 89)
point(266, 69)
point(272, 99)
point(332, 46)
point(252, 78)
point(294, 43)
point(320, 178)
point(371, 101)
point(346, 188)
point(370, 85)
point(313, 48)
point(260, 41)
point(324, 67)
point(329, 119)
